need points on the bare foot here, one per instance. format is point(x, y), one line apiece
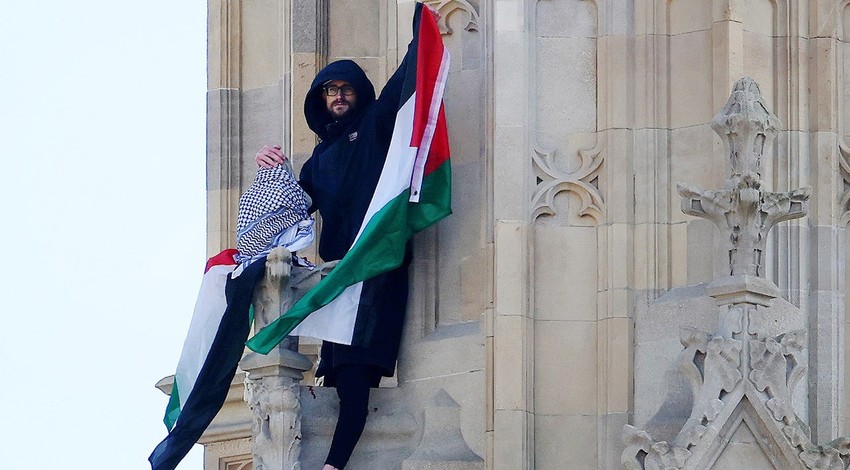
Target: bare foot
point(329, 467)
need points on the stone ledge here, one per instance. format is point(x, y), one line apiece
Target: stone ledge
point(743, 289)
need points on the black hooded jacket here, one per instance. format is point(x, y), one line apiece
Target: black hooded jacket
point(343, 171)
point(340, 177)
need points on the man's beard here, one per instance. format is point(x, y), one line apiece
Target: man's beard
point(338, 114)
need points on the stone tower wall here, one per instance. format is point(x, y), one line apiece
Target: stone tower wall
point(571, 121)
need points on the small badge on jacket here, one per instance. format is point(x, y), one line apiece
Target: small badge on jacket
point(352, 137)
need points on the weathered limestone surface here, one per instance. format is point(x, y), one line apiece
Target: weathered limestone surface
point(741, 403)
point(549, 306)
point(665, 395)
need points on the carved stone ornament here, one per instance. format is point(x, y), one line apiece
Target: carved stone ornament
point(744, 211)
point(272, 380)
point(741, 375)
point(447, 7)
point(276, 427)
point(583, 182)
point(715, 367)
point(844, 167)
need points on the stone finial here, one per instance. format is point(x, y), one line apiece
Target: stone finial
point(746, 127)
point(742, 374)
point(744, 211)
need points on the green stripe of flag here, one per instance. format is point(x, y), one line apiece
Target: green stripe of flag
point(172, 410)
point(436, 200)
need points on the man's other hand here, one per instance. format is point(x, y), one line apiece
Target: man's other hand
point(269, 157)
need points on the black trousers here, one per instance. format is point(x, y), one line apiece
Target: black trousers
point(352, 387)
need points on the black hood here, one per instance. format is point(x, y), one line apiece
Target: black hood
point(315, 111)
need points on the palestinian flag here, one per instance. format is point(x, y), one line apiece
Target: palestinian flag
point(211, 352)
point(413, 192)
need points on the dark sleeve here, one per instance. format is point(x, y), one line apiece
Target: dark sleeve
point(305, 180)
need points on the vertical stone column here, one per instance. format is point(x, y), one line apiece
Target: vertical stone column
point(727, 37)
point(309, 55)
point(513, 329)
point(826, 244)
point(224, 122)
point(616, 230)
point(843, 88)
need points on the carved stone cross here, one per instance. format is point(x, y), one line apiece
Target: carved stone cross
point(744, 211)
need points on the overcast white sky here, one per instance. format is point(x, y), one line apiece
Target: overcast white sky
point(102, 123)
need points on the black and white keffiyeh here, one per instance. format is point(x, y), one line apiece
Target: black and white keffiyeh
point(272, 212)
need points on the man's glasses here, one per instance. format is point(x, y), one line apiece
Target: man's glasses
point(333, 90)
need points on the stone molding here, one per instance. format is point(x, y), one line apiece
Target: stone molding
point(241, 465)
point(228, 455)
point(551, 178)
point(224, 122)
point(224, 51)
point(742, 288)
